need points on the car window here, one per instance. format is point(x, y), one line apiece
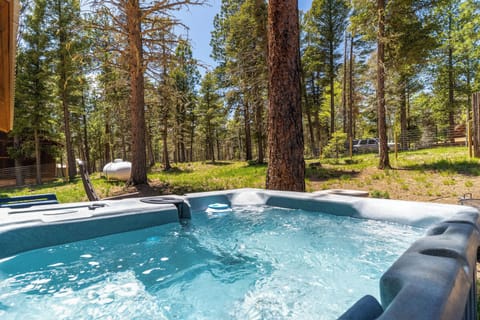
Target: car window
point(372, 141)
point(363, 142)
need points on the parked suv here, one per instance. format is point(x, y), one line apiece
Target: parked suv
point(365, 145)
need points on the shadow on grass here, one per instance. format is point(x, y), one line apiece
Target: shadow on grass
point(173, 171)
point(322, 174)
point(465, 167)
point(218, 163)
point(160, 189)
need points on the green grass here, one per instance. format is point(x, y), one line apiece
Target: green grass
point(198, 177)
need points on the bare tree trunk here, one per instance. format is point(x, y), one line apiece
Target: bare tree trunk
point(217, 142)
point(19, 178)
point(344, 91)
point(166, 160)
point(248, 134)
point(107, 142)
point(63, 85)
point(332, 91)
point(259, 129)
point(286, 165)
point(384, 161)
point(403, 114)
point(351, 120)
point(86, 144)
point(308, 113)
point(136, 102)
point(192, 135)
point(72, 168)
point(38, 155)
point(150, 153)
point(451, 98)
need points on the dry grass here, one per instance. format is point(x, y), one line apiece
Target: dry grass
point(438, 175)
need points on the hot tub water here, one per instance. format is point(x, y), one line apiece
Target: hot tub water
point(253, 263)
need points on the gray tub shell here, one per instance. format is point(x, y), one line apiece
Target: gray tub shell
point(433, 279)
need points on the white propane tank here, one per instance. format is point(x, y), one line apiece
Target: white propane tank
point(118, 169)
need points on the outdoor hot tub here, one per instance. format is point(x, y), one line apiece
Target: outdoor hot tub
point(239, 254)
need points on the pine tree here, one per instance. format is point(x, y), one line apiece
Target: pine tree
point(33, 88)
point(210, 114)
point(185, 79)
point(286, 165)
point(246, 50)
point(327, 20)
point(143, 27)
point(67, 52)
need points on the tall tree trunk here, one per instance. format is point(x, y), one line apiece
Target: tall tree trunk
point(219, 149)
point(259, 129)
point(64, 86)
point(150, 153)
point(248, 132)
point(286, 164)
point(344, 91)
point(451, 98)
point(72, 168)
point(384, 161)
point(19, 178)
point(332, 91)
point(403, 114)
point(212, 146)
point(86, 144)
point(318, 130)
point(351, 120)
point(38, 157)
point(192, 136)
point(107, 142)
point(308, 113)
point(166, 159)
point(136, 102)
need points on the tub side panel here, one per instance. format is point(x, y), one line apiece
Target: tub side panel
point(18, 238)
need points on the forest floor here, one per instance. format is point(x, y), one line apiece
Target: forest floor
point(435, 175)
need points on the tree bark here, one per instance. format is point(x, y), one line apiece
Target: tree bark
point(451, 97)
point(72, 167)
point(86, 144)
point(308, 113)
point(259, 129)
point(286, 165)
point(166, 159)
point(332, 90)
point(19, 178)
point(38, 155)
point(344, 91)
point(351, 120)
point(384, 161)
point(248, 132)
point(107, 143)
point(63, 86)
point(137, 112)
point(403, 114)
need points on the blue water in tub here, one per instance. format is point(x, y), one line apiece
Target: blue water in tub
point(249, 263)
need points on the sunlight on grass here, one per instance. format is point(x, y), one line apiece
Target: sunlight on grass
point(418, 170)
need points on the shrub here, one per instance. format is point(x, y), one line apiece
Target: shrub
point(336, 145)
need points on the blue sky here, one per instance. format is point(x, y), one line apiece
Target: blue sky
point(199, 20)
